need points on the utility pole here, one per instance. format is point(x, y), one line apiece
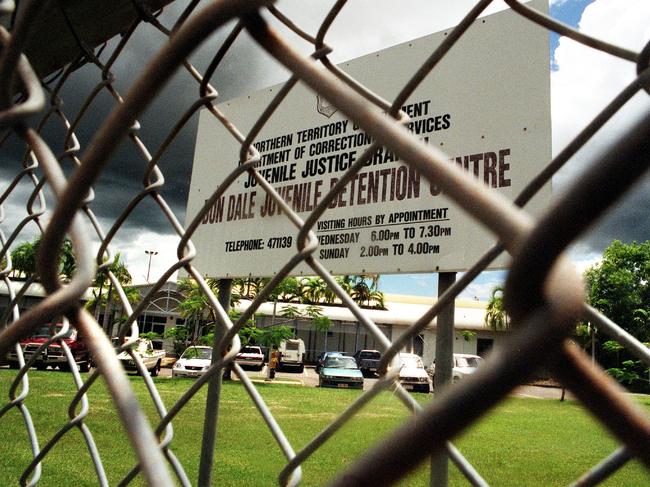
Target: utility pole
point(150, 253)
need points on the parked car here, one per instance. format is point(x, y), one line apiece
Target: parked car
point(151, 358)
point(292, 354)
point(323, 356)
point(53, 356)
point(193, 362)
point(463, 365)
point(412, 374)
point(250, 356)
point(340, 371)
point(368, 361)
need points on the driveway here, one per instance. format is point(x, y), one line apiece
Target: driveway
point(309, 378)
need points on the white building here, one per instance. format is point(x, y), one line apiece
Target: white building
point(347, 335)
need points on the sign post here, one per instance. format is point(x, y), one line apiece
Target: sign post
point(444, 364)
point(212, 400)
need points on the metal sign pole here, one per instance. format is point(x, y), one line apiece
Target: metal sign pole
point(213, 394)
point(444, 359)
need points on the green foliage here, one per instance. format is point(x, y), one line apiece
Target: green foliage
point(626, 374)
point(321, 323)
point(25, 256)
point(176, 333)
point(467, 335)
point(180, 336)
point(291, 312)
point(612, 346)
point(150, 335)
point(314, 290)
point(207, 339)
point(619, 286)
point(249, 333)
point(272, 336)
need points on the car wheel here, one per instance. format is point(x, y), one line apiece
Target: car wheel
point(155, 370)
point(84, 366)
point(41, 366)
point(301, 369)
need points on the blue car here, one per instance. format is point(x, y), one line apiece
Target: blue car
point(340, 371)
point(323, 357)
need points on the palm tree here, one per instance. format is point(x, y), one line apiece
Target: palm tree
point(24, 257)
point(315, 290)
point(123, 276)
point(364, 290)
point(346, 283)
point(196, 307)
point(495, 313)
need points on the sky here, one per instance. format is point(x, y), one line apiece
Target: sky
point(582, 81)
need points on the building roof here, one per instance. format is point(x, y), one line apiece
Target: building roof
point(401, 311)
point(35, 289)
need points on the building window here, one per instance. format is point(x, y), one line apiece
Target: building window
point(150, 323)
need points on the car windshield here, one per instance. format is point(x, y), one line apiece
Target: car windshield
point(370, 355)
point(256, 350)
point(411, 361)
point(332, 354)
point(48, 331)
point(43, 331)
point(340, 362)
point(472, 362)
point(194, 352)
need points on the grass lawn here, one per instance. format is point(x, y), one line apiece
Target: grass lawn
point(523, 442)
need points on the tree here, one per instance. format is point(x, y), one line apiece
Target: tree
point(619, 286)
point(495, 313)
point(314, 290)
point(179, 336)
point(23, 259)
point(103, 293)
point(196, 308)
point(24, 256)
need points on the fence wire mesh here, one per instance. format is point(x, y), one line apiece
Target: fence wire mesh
point(544, 294)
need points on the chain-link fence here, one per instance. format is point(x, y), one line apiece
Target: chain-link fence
point(544, 294)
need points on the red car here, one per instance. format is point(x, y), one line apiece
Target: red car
point(54, 356)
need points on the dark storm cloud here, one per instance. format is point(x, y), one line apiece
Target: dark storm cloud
point(629, 220)
point(122, 177)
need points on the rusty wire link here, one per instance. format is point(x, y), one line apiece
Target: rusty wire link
point(544, 294)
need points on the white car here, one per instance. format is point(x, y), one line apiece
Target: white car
point(412, 374)
point(193, 362)
point(250, 356)
point(464, 364)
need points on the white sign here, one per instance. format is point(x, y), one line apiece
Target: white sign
point(486, 105)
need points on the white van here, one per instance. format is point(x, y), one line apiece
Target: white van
point(292, 354)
